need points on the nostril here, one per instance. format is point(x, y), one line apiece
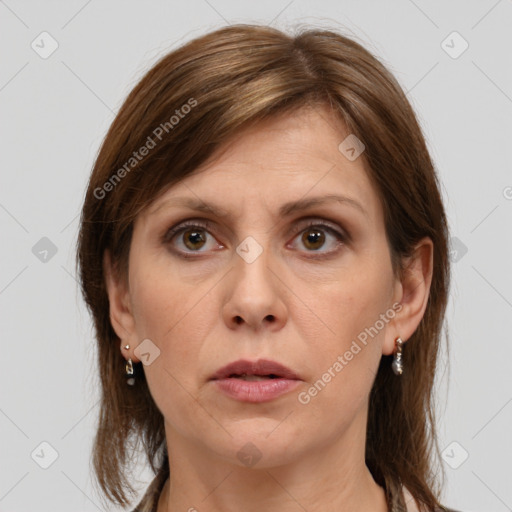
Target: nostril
point(238, 319)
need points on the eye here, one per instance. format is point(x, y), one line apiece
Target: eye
point(190, 237)
point(195, 237)
point(317, 234)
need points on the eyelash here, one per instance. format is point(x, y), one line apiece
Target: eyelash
point(208, 226)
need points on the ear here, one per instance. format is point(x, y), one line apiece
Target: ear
point(121, 316)
point(412, 291)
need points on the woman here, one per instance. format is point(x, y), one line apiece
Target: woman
point(263, 248)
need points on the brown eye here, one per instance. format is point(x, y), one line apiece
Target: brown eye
point(194, 238)
point(318, 236)
point(313, 238)
point(191, 237)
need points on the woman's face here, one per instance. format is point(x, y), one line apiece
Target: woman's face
point(309, 287)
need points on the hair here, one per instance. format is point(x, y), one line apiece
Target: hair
point(201, 95)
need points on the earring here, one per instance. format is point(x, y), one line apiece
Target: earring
point(130, 379)
point(397, 365)
point(130, 374)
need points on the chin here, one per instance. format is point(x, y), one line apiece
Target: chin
point(259, 444)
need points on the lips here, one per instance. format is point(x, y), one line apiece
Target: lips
point(251, 370)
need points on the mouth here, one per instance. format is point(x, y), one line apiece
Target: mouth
point(255, 381)
point(254, 377)
point(262, 369)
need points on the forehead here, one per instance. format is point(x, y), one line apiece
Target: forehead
point(287, 158)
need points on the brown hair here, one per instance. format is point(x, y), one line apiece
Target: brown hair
point(188, 105)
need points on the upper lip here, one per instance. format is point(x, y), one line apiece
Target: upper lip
point(260, 367)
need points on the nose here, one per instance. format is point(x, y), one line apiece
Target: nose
point(254, 295)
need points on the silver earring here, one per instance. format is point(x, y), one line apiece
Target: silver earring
point(397, 365)
point(130, 379)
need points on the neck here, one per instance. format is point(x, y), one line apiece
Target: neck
point(374, 499)
point(328, 478)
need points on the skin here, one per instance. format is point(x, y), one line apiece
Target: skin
point(206, 312)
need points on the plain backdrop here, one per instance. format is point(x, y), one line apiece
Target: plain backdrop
point(66, 68)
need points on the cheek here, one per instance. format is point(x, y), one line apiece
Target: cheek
point(346, 364)
point(161, 297)
point(177, 318)
point(350, 301)
point(348, 312)
point(177, 315)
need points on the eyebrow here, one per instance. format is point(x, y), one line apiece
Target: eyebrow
point(285, 210)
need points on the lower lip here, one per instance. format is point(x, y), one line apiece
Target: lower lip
point(257, 390)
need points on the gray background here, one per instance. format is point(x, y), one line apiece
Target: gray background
point(55, 112)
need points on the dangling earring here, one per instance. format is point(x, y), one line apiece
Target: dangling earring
point(130, 379)
point(130, 374)
point(397, 365)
